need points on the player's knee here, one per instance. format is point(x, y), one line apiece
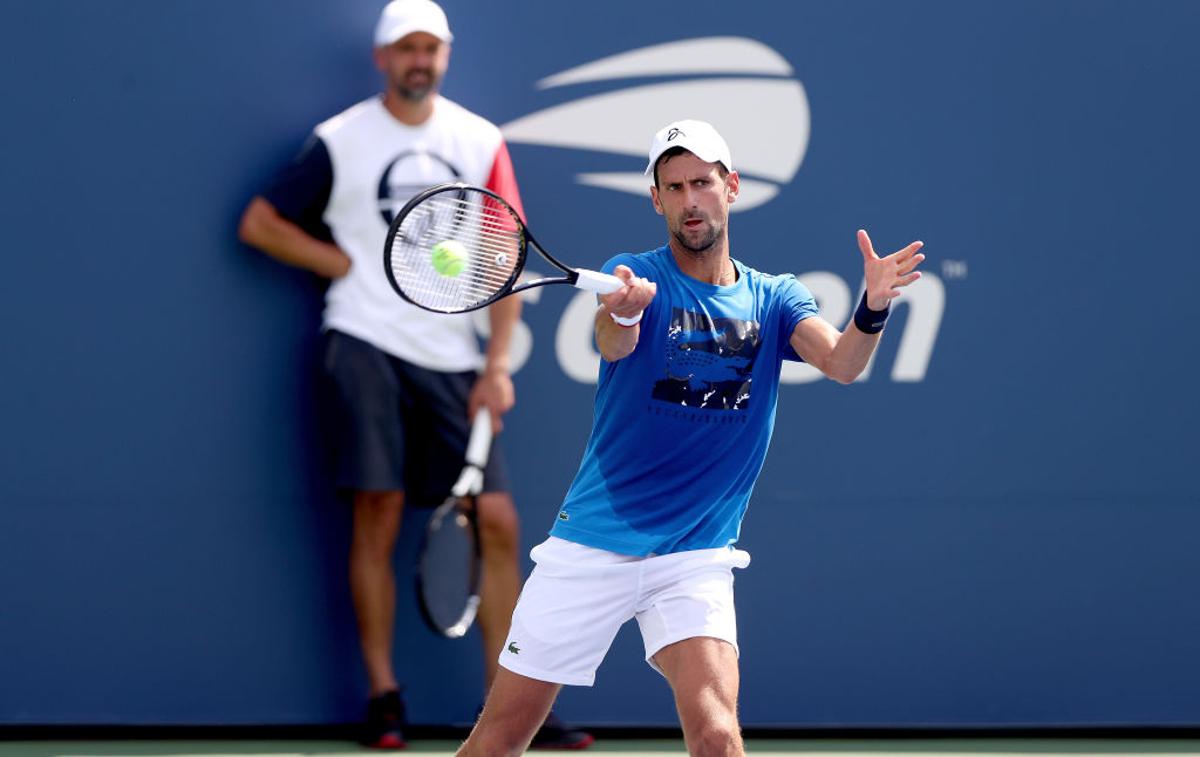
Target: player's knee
point(716, 739)
point(377, 518)
point(715, 729)
point(383, 504)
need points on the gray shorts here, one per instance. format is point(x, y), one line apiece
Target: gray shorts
point(394, 426)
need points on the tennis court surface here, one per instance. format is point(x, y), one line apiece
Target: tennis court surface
point(987, 747)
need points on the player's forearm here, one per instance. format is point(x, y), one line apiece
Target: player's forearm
point(850, 355)
point(614, 340)
point(502, 318)
point(264, 228)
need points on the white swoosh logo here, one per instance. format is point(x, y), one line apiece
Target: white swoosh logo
point(705, 55)
point(765, 120)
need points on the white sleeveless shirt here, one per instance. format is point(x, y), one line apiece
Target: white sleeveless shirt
point(378, 164)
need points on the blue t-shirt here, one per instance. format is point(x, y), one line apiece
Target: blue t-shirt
point(682, 424)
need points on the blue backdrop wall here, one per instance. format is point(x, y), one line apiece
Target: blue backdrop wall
point(997, 526)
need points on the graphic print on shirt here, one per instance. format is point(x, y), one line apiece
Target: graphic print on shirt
point(709, 361)
point(409, 173)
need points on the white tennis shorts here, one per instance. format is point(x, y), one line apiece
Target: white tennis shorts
point(577, 597)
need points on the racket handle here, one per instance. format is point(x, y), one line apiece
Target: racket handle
point(480, 442)
point(594, 281)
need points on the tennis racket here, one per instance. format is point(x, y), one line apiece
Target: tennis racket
point(449, 565)
point(455, 248)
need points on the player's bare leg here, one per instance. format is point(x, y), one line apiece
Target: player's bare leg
point(500, 583)
point(703, 673)
point(516, 707)
point(377, 517)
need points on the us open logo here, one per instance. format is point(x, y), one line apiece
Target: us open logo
point(747, 91)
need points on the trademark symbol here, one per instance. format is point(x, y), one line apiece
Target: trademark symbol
point(954, 269)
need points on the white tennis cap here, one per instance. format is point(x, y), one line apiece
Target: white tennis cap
point(697, 137)
point(403, 17)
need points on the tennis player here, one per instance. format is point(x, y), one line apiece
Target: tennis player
point(692, 346)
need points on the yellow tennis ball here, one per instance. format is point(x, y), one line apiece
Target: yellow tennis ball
point(449, 257)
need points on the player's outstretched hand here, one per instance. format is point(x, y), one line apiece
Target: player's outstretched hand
point(885, 276)
point(632, 298)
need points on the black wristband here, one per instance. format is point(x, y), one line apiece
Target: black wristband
point(870, 321)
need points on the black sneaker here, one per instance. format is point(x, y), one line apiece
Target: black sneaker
point(385, 719)
point(554, 734)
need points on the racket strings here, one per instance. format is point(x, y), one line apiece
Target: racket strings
point(487, 234)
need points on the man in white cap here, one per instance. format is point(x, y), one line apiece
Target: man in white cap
point(693, 346)
point(400, 384)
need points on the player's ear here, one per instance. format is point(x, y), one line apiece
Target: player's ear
point(377, 54)
point(732, 184)
point(654, 198)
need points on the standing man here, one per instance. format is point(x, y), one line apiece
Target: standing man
point(692, 346)
point(401, 383)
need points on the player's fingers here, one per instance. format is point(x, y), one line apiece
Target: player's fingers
point(908, 265)
point(635, 290)
point(621, 306)
point(904, 281)
point(617, 298)
point(625, 273)
point(864, 244)
point(908, 252)
point(634, 297)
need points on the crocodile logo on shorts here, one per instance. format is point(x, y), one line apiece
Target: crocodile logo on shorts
point(512, 647)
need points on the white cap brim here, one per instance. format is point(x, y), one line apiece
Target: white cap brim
point(383, 39)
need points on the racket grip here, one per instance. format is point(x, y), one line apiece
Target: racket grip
point(594, 281)
point(481, 438)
